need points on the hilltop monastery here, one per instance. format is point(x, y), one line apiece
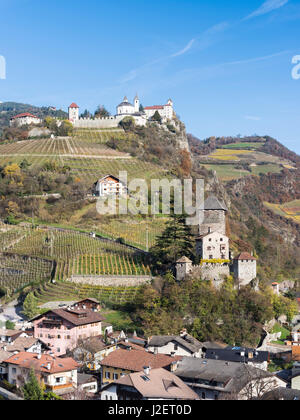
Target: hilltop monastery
point(124, 109)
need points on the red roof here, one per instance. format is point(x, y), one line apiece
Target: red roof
point(73, 105)
point(154, 107)
point(25, 114)
point(136, 360)
point(43, 362)
point(245, 256)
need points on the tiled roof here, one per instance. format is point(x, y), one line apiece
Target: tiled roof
point(159, 383)
point(4, 355)
point(148, 108)
point(73, 316)
point(212, 203)
point(20, 344)
point(25, 114)
point(73, 105)
point(11, 333)
point(136, 360)
point(189, 342)
point(245, 256)
point(42, 362)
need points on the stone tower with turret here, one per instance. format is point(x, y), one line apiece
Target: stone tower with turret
point(214, 220)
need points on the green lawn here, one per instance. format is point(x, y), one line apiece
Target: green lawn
point(285, 333)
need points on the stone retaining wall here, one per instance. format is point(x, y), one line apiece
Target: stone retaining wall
point(128, 281)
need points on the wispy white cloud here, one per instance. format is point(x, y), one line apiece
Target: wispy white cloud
point(255, 59)
point(267, 7)
point(203, 41)
point(185, 50)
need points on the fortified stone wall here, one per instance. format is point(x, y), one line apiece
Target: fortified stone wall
point(107, 122)
point(124, 281)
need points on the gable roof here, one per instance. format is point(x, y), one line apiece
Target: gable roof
point(136, 360)
point(41, 363)
point(234, 355)
point(234, 376)
point(73, 316)
point(21, 344)
point(245, 256)
point(189, 342)
point(212, 203)
point(159, 383)
point(25, 114)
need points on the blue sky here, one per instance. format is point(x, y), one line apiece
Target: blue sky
point(226, 64)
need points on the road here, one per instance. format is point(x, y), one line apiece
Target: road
point(11, 312)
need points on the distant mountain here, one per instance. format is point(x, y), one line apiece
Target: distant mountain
point(10, 109)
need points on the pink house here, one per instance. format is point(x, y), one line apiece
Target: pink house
point(62, 329)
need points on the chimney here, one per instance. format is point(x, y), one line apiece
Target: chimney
point(147, 370)
point(183, 333)
point(174, 366)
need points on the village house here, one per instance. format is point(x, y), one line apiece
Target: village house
point(24, 119)
point(149, 384)
point(4, 355)
point(123, 362)
point(28, 344)
point(218, 380)
point(89, 303)
point(62, 329)
point(251, 357)
point(295, 378)
point(172, 345)
point(109, 185)
point(9, 336)
point(58, 374)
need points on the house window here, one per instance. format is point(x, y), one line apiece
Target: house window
point(116, 376)
point(107, 375)
point(203, 396)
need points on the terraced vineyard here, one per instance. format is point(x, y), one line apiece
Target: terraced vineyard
point(78, 253)
point(86, 155)
point(17, 271)
point(109, 264)
point(65, 292)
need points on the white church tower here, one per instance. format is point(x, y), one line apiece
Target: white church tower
point(136, 104)
point(73, 112)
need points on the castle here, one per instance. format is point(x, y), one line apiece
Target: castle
point(212, 248)
point(125, 109)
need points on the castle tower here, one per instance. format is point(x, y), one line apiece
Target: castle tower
point(184, 266)
point(73, 112)
point(244, 268)
point(136, 104)
point(214, 217)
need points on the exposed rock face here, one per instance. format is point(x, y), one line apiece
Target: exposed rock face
point(39, 132)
